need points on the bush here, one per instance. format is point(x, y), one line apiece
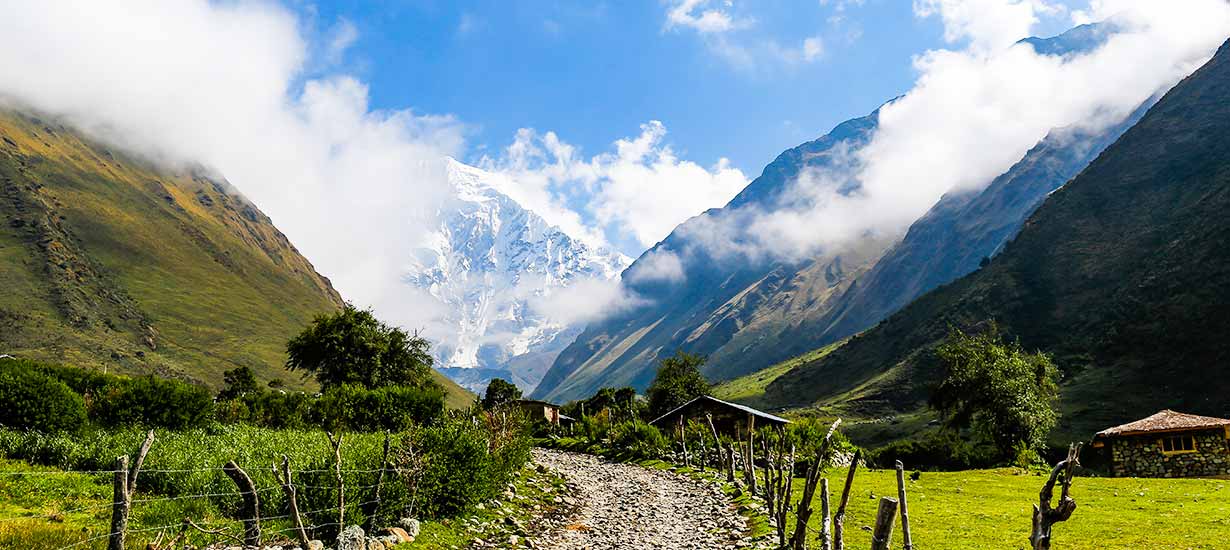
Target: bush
point(32, 400)
point(939, 451)
point(638, 440)
point(395, 408)
point(153, 402)
point(457, 463)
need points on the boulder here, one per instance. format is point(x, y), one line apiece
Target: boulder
point(411, 526)
point(351, 538)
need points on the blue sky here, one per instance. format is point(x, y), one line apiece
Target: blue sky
point(594, 71)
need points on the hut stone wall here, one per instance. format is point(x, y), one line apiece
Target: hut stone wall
point(1142, 456)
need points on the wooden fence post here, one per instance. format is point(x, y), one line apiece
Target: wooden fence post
point(812, 477)
point(1045, 517)
point(882, 536)
point(907, 542)
point(730, 462)
point(288, 487)
point(251, 503)
point(336, 442)
point(839, 519)
point(749, 466)
point(119, 506)
point(826, 517)
point(384, 466)
point(717, 443)
point(125, 486)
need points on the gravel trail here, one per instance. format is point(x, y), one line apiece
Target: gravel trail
point(630, 506)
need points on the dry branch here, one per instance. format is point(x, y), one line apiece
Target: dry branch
point(1044, 516)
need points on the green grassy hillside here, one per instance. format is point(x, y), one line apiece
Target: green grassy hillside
point(1123, 275)
point(109, 262)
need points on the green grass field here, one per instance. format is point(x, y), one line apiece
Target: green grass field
point(981, 509)
point(749, 389)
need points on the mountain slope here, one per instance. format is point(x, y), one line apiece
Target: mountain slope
point(965, 228)
point(1123, 274)
point(486, 263)
point(109, 262)
point(729, 307)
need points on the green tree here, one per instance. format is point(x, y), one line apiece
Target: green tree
point(500, 391)
point(1005, 394)
point(239, 381)
point(33, 400)
point(352, 347)
point(677, 382)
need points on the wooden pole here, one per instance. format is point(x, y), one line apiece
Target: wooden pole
point(120, 505)
point(907, 542)
point(336, 442)
point(384, 466)
point(125, 486)
point(288, 487)
point(826, 518)
point(717, 443)
point(251, 503)
point(839, 519)
point(882, 536)
point(730, 463)
point(804, 508)
point(750, 466)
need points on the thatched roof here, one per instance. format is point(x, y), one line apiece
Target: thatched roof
point(1165, 421)
point(708, 399)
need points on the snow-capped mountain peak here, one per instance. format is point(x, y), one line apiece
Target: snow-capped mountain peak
point(487, 262)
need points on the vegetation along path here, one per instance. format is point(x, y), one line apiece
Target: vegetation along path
point(631, 506)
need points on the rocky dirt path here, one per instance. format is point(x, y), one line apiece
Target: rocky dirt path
point(629, 506)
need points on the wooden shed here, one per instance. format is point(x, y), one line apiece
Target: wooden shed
point(730, 419)
point(542, 411)
point(1168, 444)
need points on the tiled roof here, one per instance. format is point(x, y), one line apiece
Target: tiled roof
point(1163, 421)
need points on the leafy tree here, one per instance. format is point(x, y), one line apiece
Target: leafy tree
point(352, 347)
point(1005, 394)
point(677, 382)
point(500, 391)
point(239, 381)
point(33, 400)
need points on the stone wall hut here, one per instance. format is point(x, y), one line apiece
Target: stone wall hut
point(731, 419)
point(542, 411)
point(1168, 444)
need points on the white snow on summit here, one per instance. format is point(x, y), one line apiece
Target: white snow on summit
point(486, 262)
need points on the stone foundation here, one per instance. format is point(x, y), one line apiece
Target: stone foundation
point(1142, 456)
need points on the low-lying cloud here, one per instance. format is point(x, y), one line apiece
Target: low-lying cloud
point(973, 113)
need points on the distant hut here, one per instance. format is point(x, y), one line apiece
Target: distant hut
point(542, 411)
point(1168, 444)
point(730, 419)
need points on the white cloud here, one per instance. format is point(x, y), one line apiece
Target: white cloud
point(585, 300)
point(343, 35)
point(813, 48)
point(970, 115)
point(657, 265)
point(987, 24)
point(699, 16)
point(634, 195)
point(220, 84)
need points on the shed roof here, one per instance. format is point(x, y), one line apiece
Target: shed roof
point(1165, 421)
point(744, 408)
point(535, 402)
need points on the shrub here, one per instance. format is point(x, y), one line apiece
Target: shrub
point(394, 408)
point(32, 400)
point(638, 439)
point(938, 451)
point(153, 402)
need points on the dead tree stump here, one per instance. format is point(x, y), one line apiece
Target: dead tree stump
point(1045, 517)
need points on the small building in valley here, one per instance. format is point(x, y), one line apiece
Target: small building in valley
point(542, 411)
point(730, 419)
point(1168, 444)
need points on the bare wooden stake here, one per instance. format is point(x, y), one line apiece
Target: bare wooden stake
point(1045, 517)
point(384, 466)
point(336, 442)
point(717, 443)
point(906, 542)
point(120, 506)
point(251, 503)
point(730, 463)
point(882, 536)
point(804, 509)
point(826, 517)
point(839, 519)
point(125, 487)
point(288, 487)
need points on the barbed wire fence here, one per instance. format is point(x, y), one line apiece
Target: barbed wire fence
point(246, 529)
